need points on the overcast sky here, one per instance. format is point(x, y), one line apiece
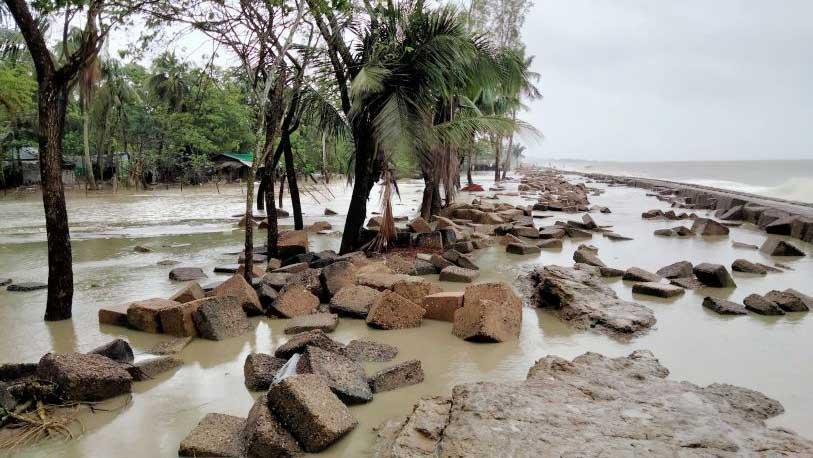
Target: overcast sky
point(672, 80)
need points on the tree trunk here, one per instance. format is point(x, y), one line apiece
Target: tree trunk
point(249, 239)
point(362, 185)
point(426, 201)
point(325, 176)
point(470, 166)
point(53, 100)
point(497, 158)
point(91, 180)
point(273, 229)
point(293, 187)
point(510, 147)
point(261, 192)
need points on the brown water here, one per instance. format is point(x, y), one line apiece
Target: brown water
point(769, 354)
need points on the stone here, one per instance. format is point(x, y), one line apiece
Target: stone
point(424, 268)
point(442, 305)
point(292, 243)
point(708, 227)
point(640, 275)
point(683, 231)
point(336, 276)
point(5, 281)
point(665, 232)
point(276, 280)
point(293, 268)
point(657, 289)
point(220, 318)
point(524, 231)
point(259, 370)
point(762, 306)
point(589, 222)
point(680, 269)
point(788, 301)
point(598, 406)
point(368, 351)
point(776, 247)
point(178, 320)
point(744, 245)
point(186, 274)
point(714, 275)
point(298, 342)
point(383, 281)
point(115, 315)
point(190, 292)
point(522, 249)
point(148, 369)
point(400, 265)
point(393, 311)
point(319, 226)
point(216, 435)
point(723, 307)
point(295, 300)
point(169, 347)
point(575, 233)
point(25, 287)
point(264, 436)
point(439, 261)
point(419, 435)
point(743, 265)
point(145, 315)
point(464, 247)
point(491, 312)
point(354, 301)
point(807, 301)
point(267, 295)
point(415, 291)
point(550, 244)
point(237, 287)
point(583, 300)
point(86, 378)
point(419, 225)
point(329, 212)
point(466, 262)
point(687, 283)
point(310, 411)
point(118, 350)
point(430, 240)
point(616, 237)
point(344, 376)
point(257, 271)
point(610, 272)
point(458, 274)
point(551, 233)
point(401, 375)
point(327, 322)
point(587, 257)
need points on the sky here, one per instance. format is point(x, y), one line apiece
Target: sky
point(657, 80)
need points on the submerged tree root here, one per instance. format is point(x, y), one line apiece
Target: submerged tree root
point(46, 422)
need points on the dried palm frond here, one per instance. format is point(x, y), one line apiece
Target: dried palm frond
point(386, 232)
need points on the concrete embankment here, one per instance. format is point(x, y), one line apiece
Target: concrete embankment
point(775, 216)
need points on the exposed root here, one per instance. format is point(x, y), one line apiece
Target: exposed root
point(47, 422)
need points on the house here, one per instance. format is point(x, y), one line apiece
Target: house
point(22, 168)
point(232, 166)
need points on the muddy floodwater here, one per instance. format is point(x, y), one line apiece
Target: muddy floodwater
point(773, 355)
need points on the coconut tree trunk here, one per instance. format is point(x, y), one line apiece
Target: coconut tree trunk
point(91, 180)
point(426, 201)
point(497, 158)
point(470, 166)
point(293, 187)
point(362, 185)
point(52, 102)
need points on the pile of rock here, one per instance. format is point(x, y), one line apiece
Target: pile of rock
point(580, 297)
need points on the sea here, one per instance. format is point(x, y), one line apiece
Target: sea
point(783, 179)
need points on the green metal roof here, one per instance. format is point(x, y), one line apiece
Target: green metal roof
point(244, 158)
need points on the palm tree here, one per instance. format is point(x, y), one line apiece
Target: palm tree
point(168, 82)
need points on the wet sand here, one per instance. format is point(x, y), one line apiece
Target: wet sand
point(768, 354)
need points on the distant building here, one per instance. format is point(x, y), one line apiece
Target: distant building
point(22, 168)
point(232, 166)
